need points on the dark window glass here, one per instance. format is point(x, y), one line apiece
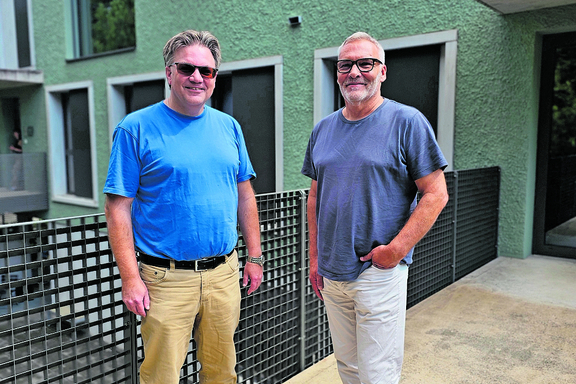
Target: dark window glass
point(142, 94)
point(248, 95)
point(22, 35)
point(77, 139)
point(555, 198)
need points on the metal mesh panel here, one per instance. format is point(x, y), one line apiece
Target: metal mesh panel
point(268, 336)
point(477, 218)
point(61, 314)
point(432, 268)
point(318, 342)
point(62, 318)
point(267, 339)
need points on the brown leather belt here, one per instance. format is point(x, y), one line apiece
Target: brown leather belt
point(195, 265)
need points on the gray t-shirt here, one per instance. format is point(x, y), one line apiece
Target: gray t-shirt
point(365, 171)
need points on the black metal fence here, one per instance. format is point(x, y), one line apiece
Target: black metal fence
point(62, 319)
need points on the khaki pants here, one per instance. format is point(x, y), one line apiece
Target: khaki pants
point(183, 300)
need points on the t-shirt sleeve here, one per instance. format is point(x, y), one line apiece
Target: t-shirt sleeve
point(308, 168)
point(423, 154)
point(124, 168)
point(246, 170)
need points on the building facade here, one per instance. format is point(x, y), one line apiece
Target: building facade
point(477, 69)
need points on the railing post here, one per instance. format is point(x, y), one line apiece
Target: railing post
point(303, 278)
point(454, 224)
point(133, 329)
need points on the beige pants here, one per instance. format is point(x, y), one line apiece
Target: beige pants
point(367, 319)
point(182, 300)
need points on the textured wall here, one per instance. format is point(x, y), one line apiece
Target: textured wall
point(497, 90)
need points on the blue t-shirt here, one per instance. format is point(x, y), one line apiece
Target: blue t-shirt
point(182, 172)
point(365, 172)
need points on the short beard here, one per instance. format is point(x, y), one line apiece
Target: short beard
point(357, 97)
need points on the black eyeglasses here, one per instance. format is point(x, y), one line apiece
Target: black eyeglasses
point(364, 65)
point(186, 69)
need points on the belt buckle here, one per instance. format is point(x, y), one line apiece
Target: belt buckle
point(196, 269)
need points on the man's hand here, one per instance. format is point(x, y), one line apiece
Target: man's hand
point(434, 197)
point(135, 296)
point(316, 280)
point(383, 257)
point(252, 272)
point(250, 228)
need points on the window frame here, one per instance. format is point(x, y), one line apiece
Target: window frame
point(56, 144)
point(8, 36)
point(324, 87)
point(116, 97)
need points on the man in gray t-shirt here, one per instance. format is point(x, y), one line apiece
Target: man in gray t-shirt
point(367, 161)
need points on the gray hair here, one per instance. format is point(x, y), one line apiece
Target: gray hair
point(191, 37)
point(363, 36)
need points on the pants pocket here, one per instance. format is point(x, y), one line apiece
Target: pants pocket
point(151, 274)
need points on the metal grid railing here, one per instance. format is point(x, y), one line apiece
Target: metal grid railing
point(61, 313)
point(62, 319)
point(478, 199)
point(433, 256)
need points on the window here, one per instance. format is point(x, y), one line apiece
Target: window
point(99, 26)
point(426, 78)
point(251, 92)
point(129, 93)
point(71, 133)
point(555, 196)
point(16, 45)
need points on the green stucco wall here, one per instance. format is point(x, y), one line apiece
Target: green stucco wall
point(497, 71)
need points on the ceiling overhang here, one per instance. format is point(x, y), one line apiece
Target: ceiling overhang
point(15, 78)
point(515, 6)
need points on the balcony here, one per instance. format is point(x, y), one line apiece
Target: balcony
point(515, 6)
point(23, 183)
point(15, 78)
point(62, 318)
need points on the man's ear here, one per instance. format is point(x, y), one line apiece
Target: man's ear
point(169, 76)
point(384, 70)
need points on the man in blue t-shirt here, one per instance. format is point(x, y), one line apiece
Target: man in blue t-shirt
point(179, 183)
point(367, 161)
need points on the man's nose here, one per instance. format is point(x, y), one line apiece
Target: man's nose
point(355, 71)
point(195, 76)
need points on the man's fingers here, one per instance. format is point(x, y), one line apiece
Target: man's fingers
point(317, 284)
point(254, 285)
point(146, 303)
point(367, 257)
point(254, 274)
point(245, 280)
point(136, 308)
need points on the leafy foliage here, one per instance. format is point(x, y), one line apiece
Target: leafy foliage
point(112, 25)
point(563, 137)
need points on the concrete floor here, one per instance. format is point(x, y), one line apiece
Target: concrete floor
point(512, 321)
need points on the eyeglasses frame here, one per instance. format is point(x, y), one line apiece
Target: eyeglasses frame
point(196, 67)
point(355, 62)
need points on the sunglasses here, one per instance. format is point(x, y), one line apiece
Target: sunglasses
point(364, 65)
point(188, 69)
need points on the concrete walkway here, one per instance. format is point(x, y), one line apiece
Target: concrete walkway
point(512, 321)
